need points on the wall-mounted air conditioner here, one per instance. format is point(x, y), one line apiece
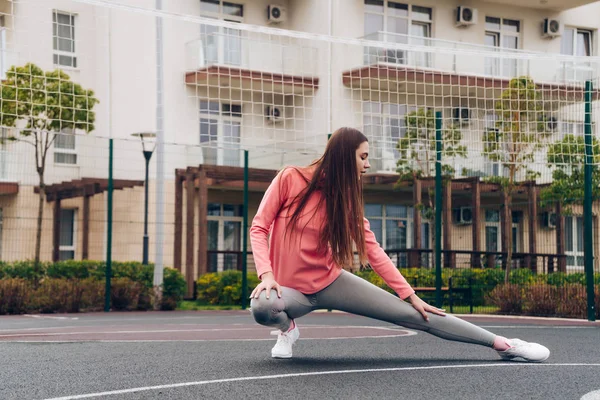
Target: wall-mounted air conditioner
point(552, 28)
point(466, 16)
point(276, 14)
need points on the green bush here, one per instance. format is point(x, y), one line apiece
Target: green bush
point(173, 290)
point(508, 298)
point(14, 295)
point(224, 288)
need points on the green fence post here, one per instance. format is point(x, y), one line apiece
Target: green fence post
point(109, 212)
point(438, 209)
point(588, 249)
point(245, 237)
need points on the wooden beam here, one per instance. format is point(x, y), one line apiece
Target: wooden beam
point(86, 228)
point(476, 227)
point(189, 234)
point(532, 210)
point(415, 260)
point(177, 240)
point(560, 238)
point(56, 231)
point(202, 224)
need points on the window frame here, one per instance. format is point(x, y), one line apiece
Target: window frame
point(72, 247)
point(56, 53)
point(496, 66)
point(222, 118)
point(221, 219)
point(576, 31)
point(576, 226)
point(64, 150)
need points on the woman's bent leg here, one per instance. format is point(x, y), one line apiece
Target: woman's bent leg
point(355, 295)
point(279, 311)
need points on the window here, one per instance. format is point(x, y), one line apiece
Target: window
point(493, 230)
point(503, 35)
point(67, 234)
point(63, 35)
point(390, 21)
point(220, 133)
point(64, 148)
point(576, 42)
point(3, 154)
point(392, 226)
point(221, 45)
point(384, 124)
point(574, 241)
point(224, 234)
point(491, 167)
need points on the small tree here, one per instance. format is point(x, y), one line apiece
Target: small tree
point(40, 105)
point(520, 134)
point(567, 158)
point(417, 150)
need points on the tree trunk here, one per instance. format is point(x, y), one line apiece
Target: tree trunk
point(38, 236)
point(507, 230)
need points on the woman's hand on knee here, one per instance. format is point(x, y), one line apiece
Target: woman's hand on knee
point(423, 308)
point(268, 283)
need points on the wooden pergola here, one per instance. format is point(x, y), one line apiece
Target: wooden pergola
point(86, 188)
point(196, 181)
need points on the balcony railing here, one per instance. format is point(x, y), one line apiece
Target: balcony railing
point(251, 51)
point(477, 60)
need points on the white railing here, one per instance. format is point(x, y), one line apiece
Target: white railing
point(251, 51)
point(478, 60)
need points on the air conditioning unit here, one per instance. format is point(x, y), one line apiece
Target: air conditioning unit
point(552, 28)
point(461, 115)
point(466, 16)
point(274, 113)
point(549, 220)
point(463, 215)
point(276, 14)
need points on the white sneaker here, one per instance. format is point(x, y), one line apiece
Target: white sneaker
point(532, 352)
point(285, 341)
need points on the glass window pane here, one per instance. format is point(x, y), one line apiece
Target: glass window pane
point(64, 141)
point(67, 225)
point(395, 232)
point(491, 238)
point(421, 13)
point(510, 42)
point(397, 9)
point(419, 30)
point(209, 107)
point(208, 130)
point(66, 255)
point(579, 233)
point(395, 211)
point(376, 228)
point(236, 10)
point(65, 158)
point(491, 39)
point(373, 24)
point(492, 215)
point(231, 235)
point(214, 209)
point(583, 44)
point(569, 233)
point(373, 210)
point(511, 25)
point(374, 6)
point(492, 23)
point(399, 26)
point(566, 42)
point(209, 5)
point(233, 210)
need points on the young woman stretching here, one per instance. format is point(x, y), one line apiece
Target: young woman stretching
point(314, 216)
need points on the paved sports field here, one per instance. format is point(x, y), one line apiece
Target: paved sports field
point(225, 355)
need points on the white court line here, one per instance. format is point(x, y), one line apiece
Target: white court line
point(351, 371)
point(538, 327)
point(406, 333)
point(258, 327)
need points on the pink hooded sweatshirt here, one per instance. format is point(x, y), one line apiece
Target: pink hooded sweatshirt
point(295, 262)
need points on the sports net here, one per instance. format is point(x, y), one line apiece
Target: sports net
point(210, 82)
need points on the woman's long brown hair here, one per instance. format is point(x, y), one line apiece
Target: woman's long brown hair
point(336, 177)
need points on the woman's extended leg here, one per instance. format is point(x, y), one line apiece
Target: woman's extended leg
point(355, 295)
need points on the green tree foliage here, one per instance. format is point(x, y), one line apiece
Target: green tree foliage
point(567, 158)
point(39, 105)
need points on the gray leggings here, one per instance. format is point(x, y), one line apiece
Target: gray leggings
point(355, 295)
